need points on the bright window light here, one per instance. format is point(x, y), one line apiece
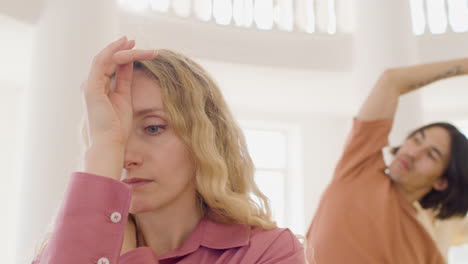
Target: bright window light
point(458, 254)
point(458, 15)
point(310, 17)
point(283, 15)
point(243, 12)
point(437, 16)
point(203, 9)
point(222, 11)
point(276, 150)
point(267, 148)
point(418, 17)
point(160, 5)
point(271, 183)
point(331, 17)
point(135, 5)
point(181, 7)
point(269, 153)
point(263, 11)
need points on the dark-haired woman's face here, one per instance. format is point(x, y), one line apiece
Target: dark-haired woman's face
point(421, 160)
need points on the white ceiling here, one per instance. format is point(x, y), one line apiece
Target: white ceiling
point(25, 10)
point(18, 26)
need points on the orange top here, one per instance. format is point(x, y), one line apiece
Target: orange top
point(362, 217)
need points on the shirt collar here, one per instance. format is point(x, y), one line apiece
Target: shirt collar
point(212, 235)
point(224, 236)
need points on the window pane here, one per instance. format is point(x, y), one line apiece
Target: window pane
point(458, 254)
point(202, 9)
point(305, 16)
point(243, 12)
point(437, 16)
point(458, 15)
point(263, 11)
point(134, 5)
point(321, 15)
point(267, 148)
point(222, 11)
point(417, 16)
point(271, 183)
point(283, 14)
point(331, 28)
point(181, 7)
point(160, 5)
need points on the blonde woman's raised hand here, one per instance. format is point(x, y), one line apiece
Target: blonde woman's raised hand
point(107, 95)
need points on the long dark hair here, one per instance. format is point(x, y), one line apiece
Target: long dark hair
point(453, 201)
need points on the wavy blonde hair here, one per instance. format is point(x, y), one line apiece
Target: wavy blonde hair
point(200, 116)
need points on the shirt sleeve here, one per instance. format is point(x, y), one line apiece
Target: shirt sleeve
point(364, 144)
point(285, 249)
point(91, 223)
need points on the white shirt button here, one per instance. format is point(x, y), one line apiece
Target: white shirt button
point(116, 217)
point(103, 261)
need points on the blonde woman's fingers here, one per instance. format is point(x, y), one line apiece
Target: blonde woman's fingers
point(103, 58)
point(123, 80)
point(130, 44)
point(127, 56)
point(102, 66)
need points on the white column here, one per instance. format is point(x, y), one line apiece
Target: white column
point(69, 34)
point(384, 39)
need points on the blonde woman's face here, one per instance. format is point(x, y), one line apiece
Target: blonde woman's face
point(158, 166)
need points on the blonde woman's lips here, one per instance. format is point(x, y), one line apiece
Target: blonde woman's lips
point(135, 182)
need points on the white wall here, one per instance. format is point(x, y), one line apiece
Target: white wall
point(283, 90)
point(445, 100)
point(15, 53)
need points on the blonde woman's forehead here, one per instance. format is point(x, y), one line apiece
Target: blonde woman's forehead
point(146, 95)
point(147, 111)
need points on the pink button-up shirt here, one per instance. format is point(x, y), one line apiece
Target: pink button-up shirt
point(91, 223)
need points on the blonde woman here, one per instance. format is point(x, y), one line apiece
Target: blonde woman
point(167, 176)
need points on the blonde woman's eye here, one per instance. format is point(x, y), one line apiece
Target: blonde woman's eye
point(154, 129)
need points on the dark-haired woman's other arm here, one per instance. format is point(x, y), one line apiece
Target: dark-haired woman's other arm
point(383, 99)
